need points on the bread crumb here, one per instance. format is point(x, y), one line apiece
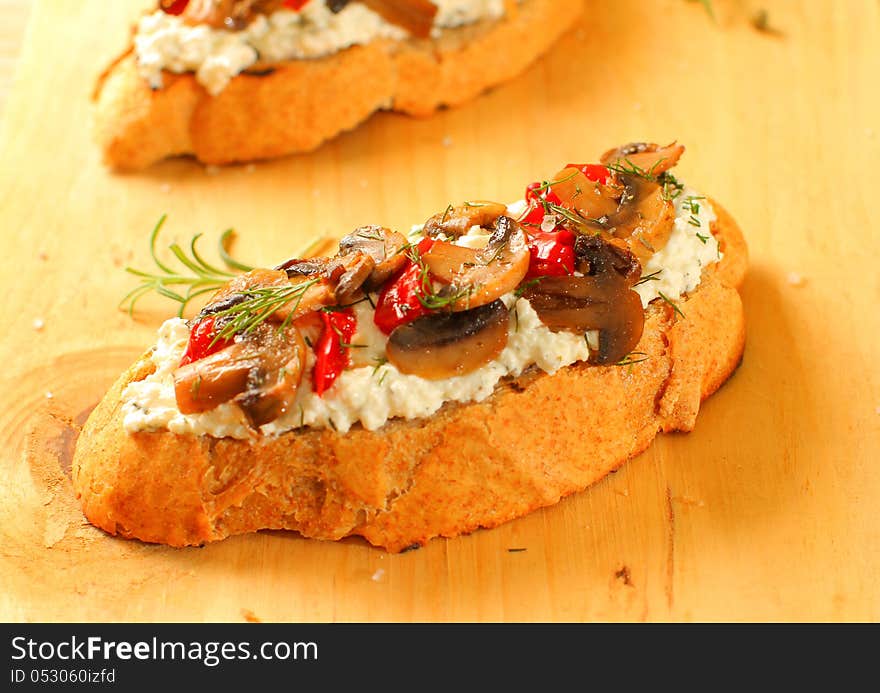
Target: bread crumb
point(54, 531)
point(250, 616)
point(39, 324)
point(795, 279)
point(49, 395)
point(212, 170)
point(377, 576)
point(42, 255)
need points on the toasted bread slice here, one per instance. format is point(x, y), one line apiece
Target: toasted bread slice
point(468, 466)
point(297, 105)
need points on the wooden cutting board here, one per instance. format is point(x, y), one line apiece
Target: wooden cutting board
point(767, 511)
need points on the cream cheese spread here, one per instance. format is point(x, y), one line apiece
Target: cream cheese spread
point(166, 42)
point(372, 391)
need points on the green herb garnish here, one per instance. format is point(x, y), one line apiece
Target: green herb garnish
point(671, 303)
point(632, 358)
point(259, 305)
point(653, 277)
point(196, 276)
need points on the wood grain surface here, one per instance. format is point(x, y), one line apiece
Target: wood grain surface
point(767, 511)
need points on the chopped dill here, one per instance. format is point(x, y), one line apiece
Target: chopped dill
point(671, 303)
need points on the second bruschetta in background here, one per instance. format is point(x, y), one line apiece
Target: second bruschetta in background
point(239, 80)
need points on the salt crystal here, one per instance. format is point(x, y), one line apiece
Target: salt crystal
point(548, 223)
point(39, 324)
point(378, 575)
point(49, 395)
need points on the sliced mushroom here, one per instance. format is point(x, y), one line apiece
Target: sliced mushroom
point(457, 221)
point(601, 300)
point(594, 203)
point(271, 387)
point(416, 16)
point(347, 275)
point(596, 256)
point(260, 372)
point(205, 384)
point(444, 345)
point(232, 15)
point(303, 281)
point(384, 246)
point(648, 157)
point(474, 278)
point(255, 279)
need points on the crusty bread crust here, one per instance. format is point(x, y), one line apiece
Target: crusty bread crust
point(469, 466)
point(299, 104)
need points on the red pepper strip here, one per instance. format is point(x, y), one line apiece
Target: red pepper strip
point(399, 301)
point(173, 6)
point(533, 216)
point(552, 254)
point(331, 350)
point(537, 191)
point(537, 195)
point(295, 5)
point(595, 172)
point(201, 341)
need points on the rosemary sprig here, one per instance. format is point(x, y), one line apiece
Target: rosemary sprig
point(196, 277)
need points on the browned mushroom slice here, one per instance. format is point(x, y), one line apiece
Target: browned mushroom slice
point(444, 345)
point(209, 382)
point(232, 15)
point(260, 372)
point(643, 156)
point(347, 275)
point(255, 279)
point(416, 16)
point(596, 255)
point(271, 388)
point(601, 300)
point(474, 278)
point(384, 246)
point(457, 221)
point(593, 202)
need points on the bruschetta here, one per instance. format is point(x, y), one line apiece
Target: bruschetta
point(431, 381)
point(231, 81)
